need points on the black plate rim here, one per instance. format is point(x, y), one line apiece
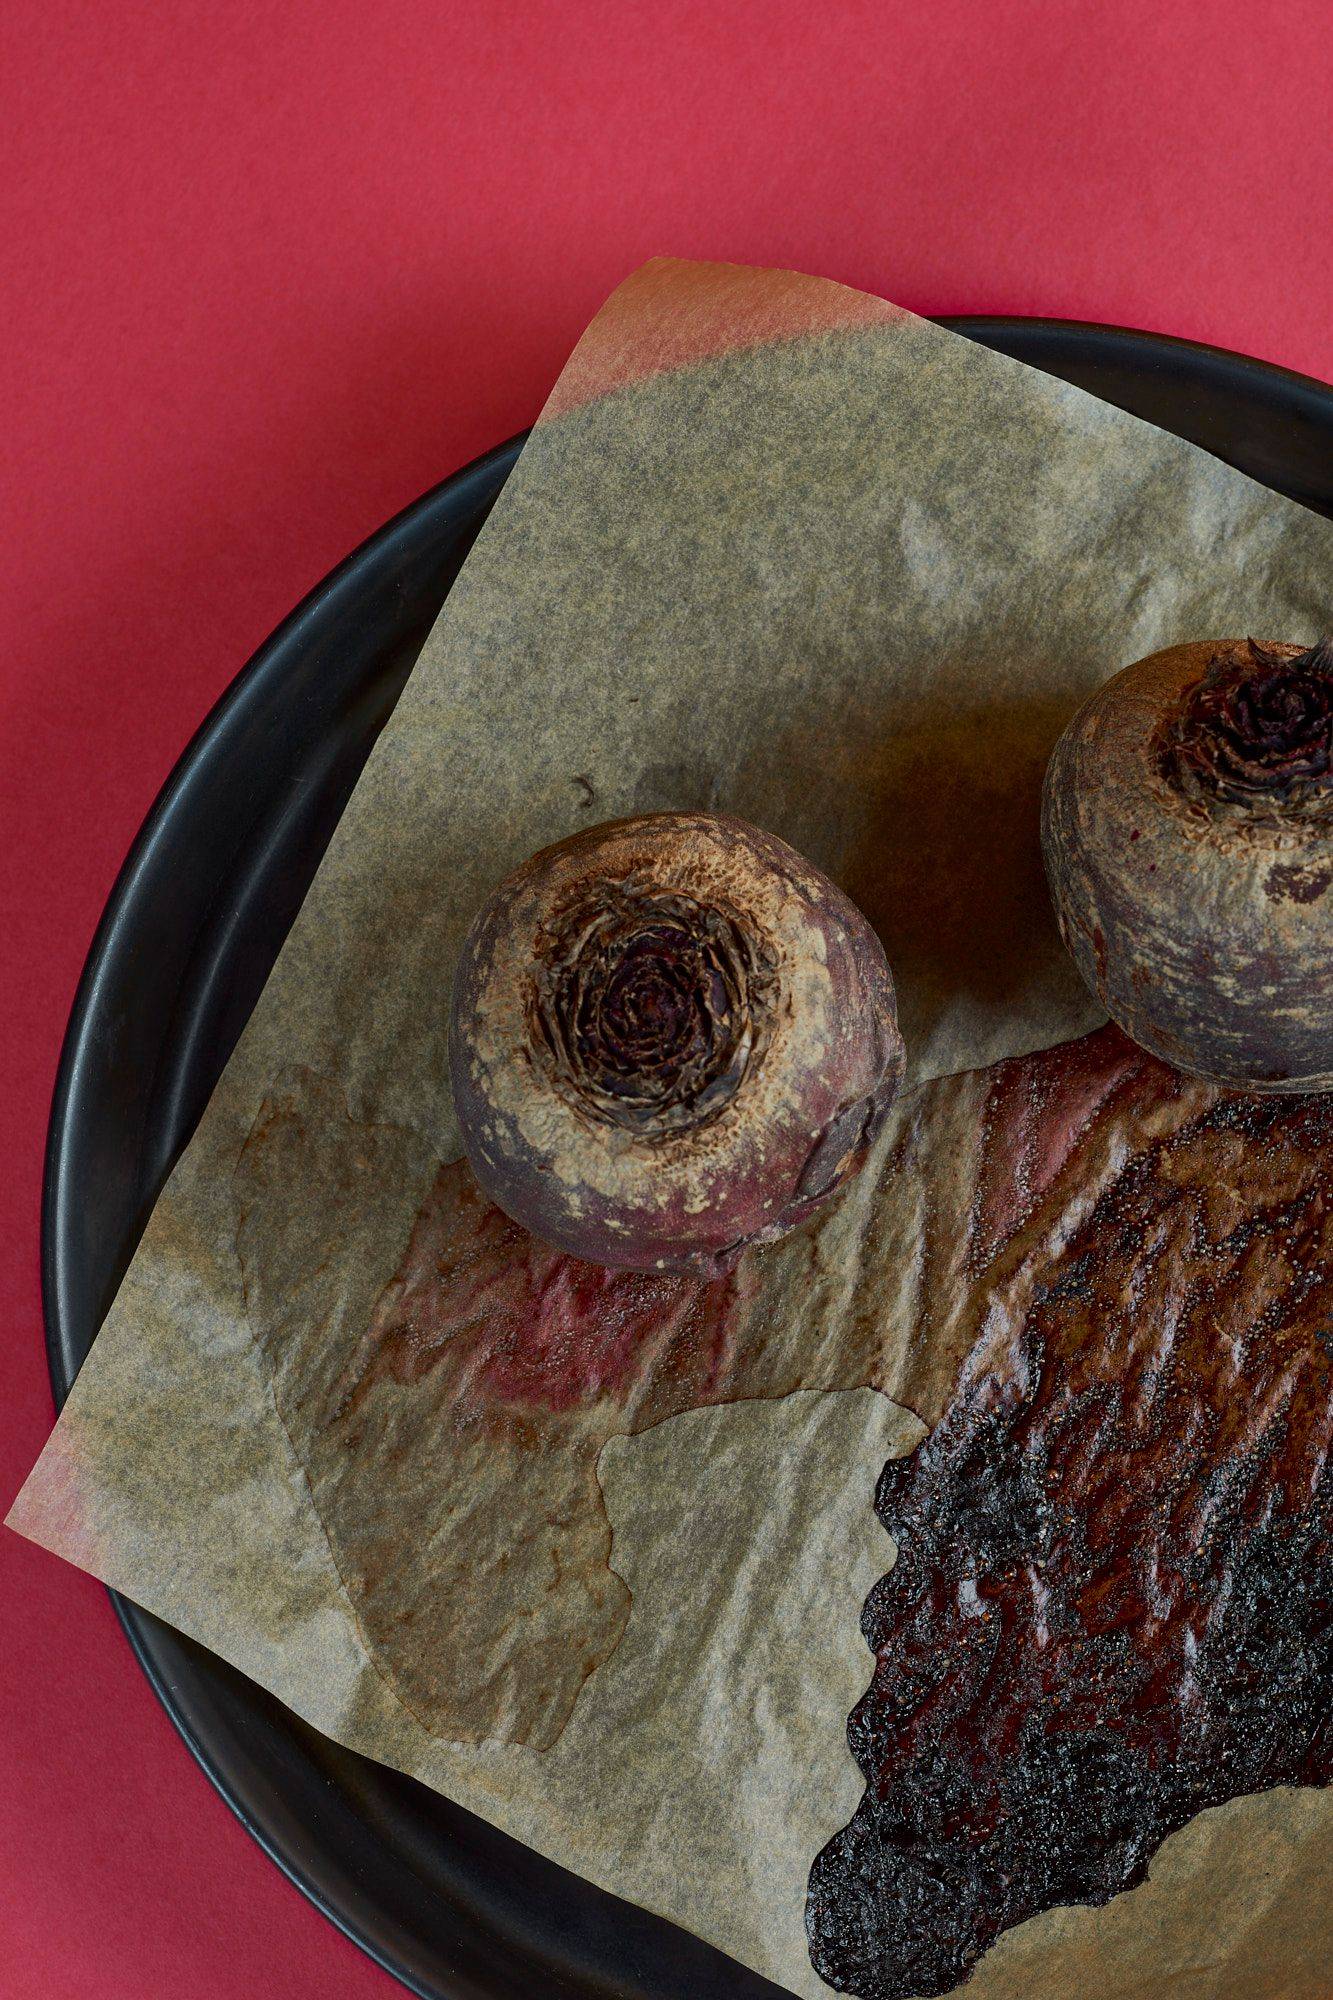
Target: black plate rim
point(1097, 336)
point(1300, 396)
point(246, 686)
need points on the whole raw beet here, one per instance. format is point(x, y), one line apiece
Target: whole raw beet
point(671, 1037)
point(1187, 825)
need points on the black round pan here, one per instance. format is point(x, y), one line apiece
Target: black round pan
point(457, 1910)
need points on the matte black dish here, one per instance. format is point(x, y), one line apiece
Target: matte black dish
point(457, 1910)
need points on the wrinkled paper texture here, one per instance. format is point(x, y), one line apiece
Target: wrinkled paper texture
point(587, 1553)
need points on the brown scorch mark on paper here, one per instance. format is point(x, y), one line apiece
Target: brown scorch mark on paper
point(1111, 1604)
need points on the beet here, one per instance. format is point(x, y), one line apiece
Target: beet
point(1187, 824)
point(671, 1037)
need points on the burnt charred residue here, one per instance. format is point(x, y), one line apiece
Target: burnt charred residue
point(649, 1006)
point(1112, 1604)
point(1257, 731)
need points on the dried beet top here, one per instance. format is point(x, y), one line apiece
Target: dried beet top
point(1257, 732)
point(1111, 1604)
point(671, 1038)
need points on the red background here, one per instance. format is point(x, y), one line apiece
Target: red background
point(274, 269)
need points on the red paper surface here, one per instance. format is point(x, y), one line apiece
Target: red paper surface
point(269, 272)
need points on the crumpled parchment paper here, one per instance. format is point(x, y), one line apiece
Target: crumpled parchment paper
point(585, 1552)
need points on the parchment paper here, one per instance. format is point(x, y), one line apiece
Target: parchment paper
point(594, 1570)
